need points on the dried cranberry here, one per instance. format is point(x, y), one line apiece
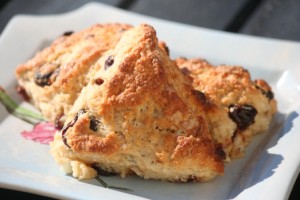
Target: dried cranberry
point(242, 115)
point(269, 94)
point(42, 79)
point(58, 122)
point(46, 74)
point(220, 152)
point(109, 62)
point(99, 81)
point(94, 123)
point(68, 33)
point(69, 125)
point(23, 93)
point(200, 95)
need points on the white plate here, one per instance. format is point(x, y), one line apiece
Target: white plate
point(268, 170)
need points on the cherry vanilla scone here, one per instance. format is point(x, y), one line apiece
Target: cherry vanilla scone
point(54, 77)
point(124, 106)
point(138, 115)
point(245, 107)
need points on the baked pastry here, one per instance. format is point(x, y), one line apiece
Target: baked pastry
point(240, 108)
point(54, 77)
point(138, 115)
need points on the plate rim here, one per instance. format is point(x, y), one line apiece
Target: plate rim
point(93, 5)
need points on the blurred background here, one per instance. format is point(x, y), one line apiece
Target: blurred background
point(267, 18)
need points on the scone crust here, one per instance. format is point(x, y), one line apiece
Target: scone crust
point(150, 122)
point(54, 77)
point(227, 86)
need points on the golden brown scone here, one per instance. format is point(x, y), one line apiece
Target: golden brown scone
point(243, 108)
point(54, 77)
point(139, 114)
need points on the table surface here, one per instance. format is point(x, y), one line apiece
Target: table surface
point(266, 18)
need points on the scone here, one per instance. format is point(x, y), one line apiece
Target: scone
point(139, 115)
point(244, 107)
point(54, 77)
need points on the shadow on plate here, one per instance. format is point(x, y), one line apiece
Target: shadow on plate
point(263, 165)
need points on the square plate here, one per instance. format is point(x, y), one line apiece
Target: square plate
point(271, 163)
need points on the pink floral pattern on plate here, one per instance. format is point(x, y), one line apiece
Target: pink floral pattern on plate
point(42, 132)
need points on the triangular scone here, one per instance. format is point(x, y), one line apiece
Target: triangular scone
point(139, 114)
point(246, 107)
point(54, 77)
